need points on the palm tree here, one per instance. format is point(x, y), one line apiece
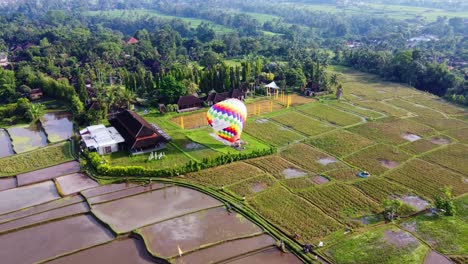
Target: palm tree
point(35, 112)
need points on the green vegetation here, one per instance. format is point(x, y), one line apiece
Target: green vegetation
point(36, 159)
point(310, 159)
point(427, 179)
point(377, 246)
point(293, 214)
point(365, 112)
point(271, 133)
point(347, 174)
point(274, 165)
point(340, 143)
point(341, 201)
point(331, 115)
point(381, 189)
point(378, 158)
point(419, 146)
point(302, 123)
point(224, 175)
point(252, 185)
point(391, 131)
point(384, 108)
point(453, 157)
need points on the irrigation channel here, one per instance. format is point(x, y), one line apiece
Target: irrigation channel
point(232, 203)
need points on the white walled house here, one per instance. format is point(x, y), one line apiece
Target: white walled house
point(103, 140)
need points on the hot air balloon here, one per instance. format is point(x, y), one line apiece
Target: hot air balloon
point(227, 118)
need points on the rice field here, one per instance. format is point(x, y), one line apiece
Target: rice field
point(311, 159)
point(383, 107)
point(346, 174)
point(453, 157)
point(341, 201)
point(252, 186)
point(271, 133)
point(225, 175)
point(302, 123)
point(437, 103)
point(340, 143)
point(419, 147)
point(428, 179)
point(460, 134)
point(274, 165)
point(263, 107)
point(293, 214)
point(392, 131)
point(378, 158)
point(331, 115)
point(349, 107)
point(33, 160)
point(381, 189)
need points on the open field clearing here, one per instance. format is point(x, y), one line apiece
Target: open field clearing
point(428, 179)
point(293, 214)
point(386, 244)
point(207, 138)
point(194, 149)
point(302, 123)
point(311, 159)
point(393, 131)
point(277, 166)
point(271, 133)
point(191, 121)
point(346, 174)
point(378, 159)
point(341, 201)
point(447, 234)
point(453, 157)
point(173, 158)
point(340, 143)
point(423, 145)
point(252, 186)
point(27, 137)
point(204, 228)
point(224, 175)
point(331, 115)
point(349, 107)
point(40, 158)
point(385, 108)
point(381, 189)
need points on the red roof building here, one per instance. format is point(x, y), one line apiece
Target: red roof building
point(188, 102)
point(131, 40)
point(139, 135)
point(35, 94)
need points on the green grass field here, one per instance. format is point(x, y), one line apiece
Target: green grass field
point(453, 157)
point(310, 158)
point(272, 133)
point(331, 115)
point(36, 159)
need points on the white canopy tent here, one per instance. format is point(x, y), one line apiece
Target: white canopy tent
point(273, 86)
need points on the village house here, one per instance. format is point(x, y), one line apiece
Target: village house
point(188, 103)
point(101, 139)
point(140, 136)
point(35, 94)
point(131, 41)
point(214, 98)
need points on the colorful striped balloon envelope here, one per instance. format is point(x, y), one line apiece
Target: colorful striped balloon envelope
point(227, 118)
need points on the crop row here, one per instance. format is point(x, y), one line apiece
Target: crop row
point(302, 123)
point(340, 143)
point(331, 115)
point(224, 175)
point(381, 189)
point(271, 133)
point(311, 159)
point(274, 165)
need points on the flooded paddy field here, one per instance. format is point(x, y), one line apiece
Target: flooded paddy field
point(7, 183)
point(132, 212)
point(48, 173)
point(29, 245)
point(227, 250)
point(58, 126)
point(122, 251)
point(22, 197)
point(192, 231)
point(6, 149)
point(125, 193)
point(270, 256)
point(26, 138)
point(73, 183)
point(62, 212)
point(105, 189)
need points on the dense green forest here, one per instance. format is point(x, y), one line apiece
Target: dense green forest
point(189, 46)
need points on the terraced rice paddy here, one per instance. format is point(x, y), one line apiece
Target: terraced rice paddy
point(302, 123)
point(26, 138)
point(252, 186)
point(340, 143)
point(331, 115)
point(73, 183)
point(192, 231)
point(6, 149)
point(428, 179)
point(58, 126)
point(341, 201)
point(452, 157)
point(48, 173)
point(378, 158)
point(311, 159)
point(381, 189)
point(225, 175)
point(384, 108)
point(364, 112)
point(277, 135)
point(392, 131)
point(276, 166)
point(294, 214)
